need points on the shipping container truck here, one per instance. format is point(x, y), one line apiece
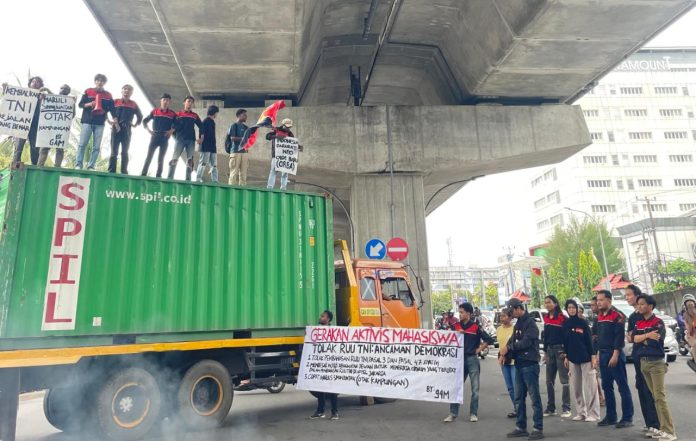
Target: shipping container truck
point(130, 299)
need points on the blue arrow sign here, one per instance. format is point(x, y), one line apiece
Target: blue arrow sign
point(375, 249)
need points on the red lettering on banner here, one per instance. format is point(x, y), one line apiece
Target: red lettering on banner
point(51, 310)
point(62, 232)
point(64, 267)
point(65, 191)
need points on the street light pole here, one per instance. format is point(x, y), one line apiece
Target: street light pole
point(607, 283)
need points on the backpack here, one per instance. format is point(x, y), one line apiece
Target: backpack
point(228, 140)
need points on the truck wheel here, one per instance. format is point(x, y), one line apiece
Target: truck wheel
point(65, 408)
point(128, 404)
point(205, 395)
point(276, 387)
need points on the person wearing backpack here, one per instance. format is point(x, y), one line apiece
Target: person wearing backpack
point(239, 160)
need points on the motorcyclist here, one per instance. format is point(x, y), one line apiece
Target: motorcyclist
point(689, 317)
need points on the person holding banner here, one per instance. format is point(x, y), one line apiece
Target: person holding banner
point(325, 320)
point(95, 104)
point(524, 349)
point(475, 341)
point(280, 132)
point(124, 111)
point(38, 84)
point(60, 151)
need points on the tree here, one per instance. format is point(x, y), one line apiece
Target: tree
point(441, 301)
point(678, 274)
point(491, 292)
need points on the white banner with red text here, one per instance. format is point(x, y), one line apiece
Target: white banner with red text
point(412, 364)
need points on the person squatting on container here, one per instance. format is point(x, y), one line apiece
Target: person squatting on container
point(554, 355)
point(279, 132)
point(239, 159)
point(647, 403)
point(186, 123)
point(325, 320)
point(507, 364)
point(475, 341)
point(581, 363)
point(124, 111)
point(208, 146)
point(612, 361)
point(648, 344)
point(95, 104)
point(163, 127)
point(60, 152)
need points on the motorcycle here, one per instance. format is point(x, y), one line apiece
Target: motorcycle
point(275, 387)
point(684, 347)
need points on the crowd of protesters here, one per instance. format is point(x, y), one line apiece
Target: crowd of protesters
point(100, 109)
point(575, 349)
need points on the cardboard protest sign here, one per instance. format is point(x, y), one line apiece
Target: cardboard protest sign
point(17, 110)
point(413, 364)
point(55, 119)
point(286, 155)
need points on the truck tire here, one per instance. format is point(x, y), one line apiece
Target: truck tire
point(66, 410)
point(205, 395)
point(128, 404)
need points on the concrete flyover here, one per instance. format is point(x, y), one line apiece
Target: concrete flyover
point(447, 89)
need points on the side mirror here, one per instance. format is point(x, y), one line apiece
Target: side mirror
point(537, 319)
point(421, 284)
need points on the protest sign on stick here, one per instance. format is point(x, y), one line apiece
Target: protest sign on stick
point(286, 155)
point(413, 364)
point(17, 110)
point(55, 119)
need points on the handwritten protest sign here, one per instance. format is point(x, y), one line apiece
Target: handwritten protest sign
point(286, 155)
point(16, 111)
point(55, 118)
point(413, 364)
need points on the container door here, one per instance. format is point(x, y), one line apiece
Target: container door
point(399, 308)
point(370, 311)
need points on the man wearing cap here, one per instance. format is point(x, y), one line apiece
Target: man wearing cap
point(280, 132)
point(163, 119)
point(523, 346)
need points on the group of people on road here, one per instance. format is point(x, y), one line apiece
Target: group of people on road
point(574, 349)
point(98, 104)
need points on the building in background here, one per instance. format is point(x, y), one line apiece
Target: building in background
point(642, 160)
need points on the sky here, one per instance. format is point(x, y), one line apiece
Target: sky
point(483, 219)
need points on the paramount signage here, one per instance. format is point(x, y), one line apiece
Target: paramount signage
point(644, 65)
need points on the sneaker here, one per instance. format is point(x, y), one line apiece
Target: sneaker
point(578, 418)
point(659, 434)
point(316, 415)
point(450, 418)
point(548, 413)
point(473, 418)
point(517, 433)
point(536, 434)
point(334, 416)
point(90, 168)
point(624, 424)
point(606, 422)
point(591, 420)
point(650, 431)
point(566, 414)
point(512, 414)
point(668, 437)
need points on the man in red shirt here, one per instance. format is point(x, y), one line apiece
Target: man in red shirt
point(186, 123)
point(124, 111)
point(95, 104)
point(163, 119)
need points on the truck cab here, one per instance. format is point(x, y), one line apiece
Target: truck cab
point(374, 293)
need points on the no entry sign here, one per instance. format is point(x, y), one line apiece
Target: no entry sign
point(397, 249)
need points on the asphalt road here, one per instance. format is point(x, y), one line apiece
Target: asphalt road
point(261, 416)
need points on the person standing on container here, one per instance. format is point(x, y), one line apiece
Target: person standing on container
point(325, 320)
point(581, 362)
point(554, 355)
point(162, 128)
point(124, 111)
point(239, 160)
point(38, 84)
point(186, 122)
point(60, 153)
point(208, 146)
point(95, 104)
point(280, 132)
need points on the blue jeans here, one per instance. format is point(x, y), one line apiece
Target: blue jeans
point(509, 376)
point(205, 159)
point(272, 178)
point(527, 382)
point(86, 132)
point(181, 146)
point(472, 369)
point(609, 376)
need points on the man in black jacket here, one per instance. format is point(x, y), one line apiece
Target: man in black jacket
point(524, 348)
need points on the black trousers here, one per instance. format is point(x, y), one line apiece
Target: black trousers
point(647, 403)
point(161, 142)
point(121, 138)
point(321, 405)
point(33, 151)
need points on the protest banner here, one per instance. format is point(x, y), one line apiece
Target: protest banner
point(286, 155)
point(412, 364)
point(55, 119)
point(16, 111)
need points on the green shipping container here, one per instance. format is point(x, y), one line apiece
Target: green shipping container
point(93, 258)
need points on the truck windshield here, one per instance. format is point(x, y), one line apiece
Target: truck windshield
point(397, 289)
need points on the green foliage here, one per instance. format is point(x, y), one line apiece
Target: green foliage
point(491, 292)
point(677, 274)
point(441, 301)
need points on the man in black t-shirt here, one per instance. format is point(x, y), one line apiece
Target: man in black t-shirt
point(208, 146)
point(239, 161)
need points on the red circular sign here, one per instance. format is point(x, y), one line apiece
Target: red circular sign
point(397, 249)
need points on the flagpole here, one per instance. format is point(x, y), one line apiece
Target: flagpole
point(543, 276)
